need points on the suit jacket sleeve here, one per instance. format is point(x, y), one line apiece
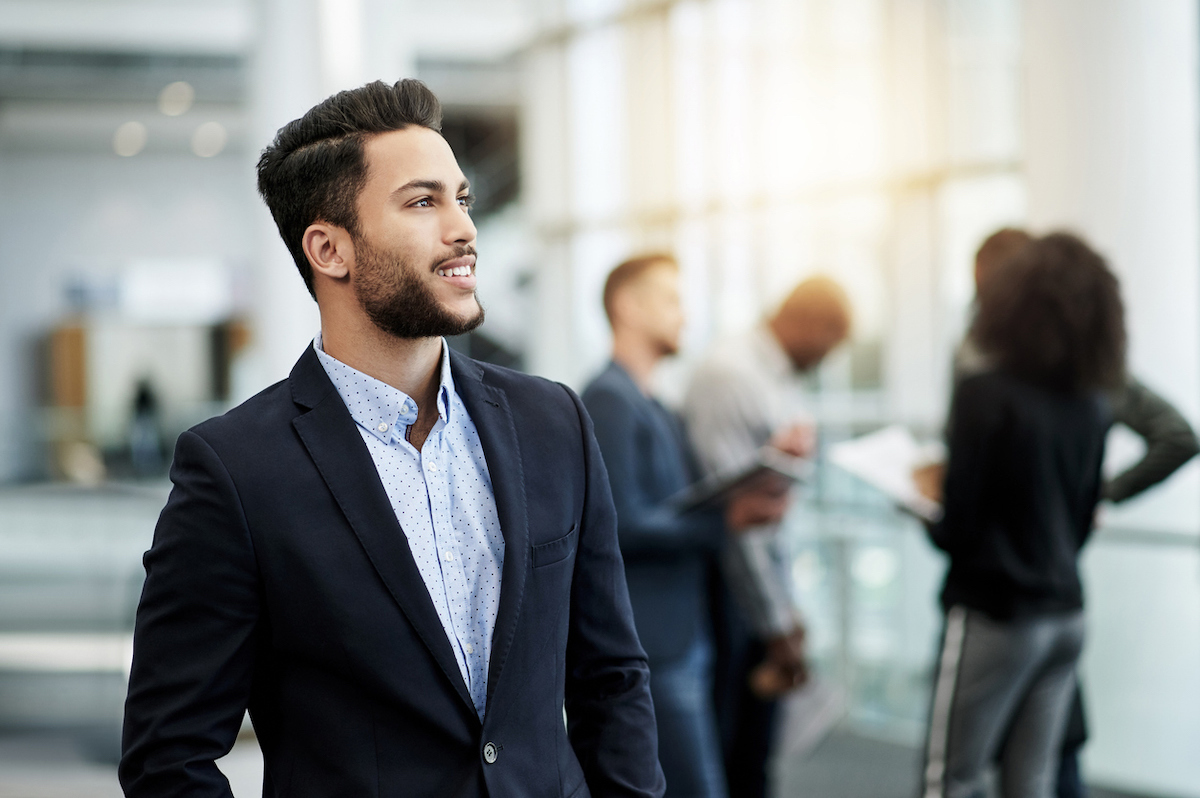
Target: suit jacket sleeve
point(193, 639)
point(644, 526)
point(610, 717)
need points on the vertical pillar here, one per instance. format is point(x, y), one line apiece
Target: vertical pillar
point(306, 50)
point(387, 41)
point(915, 362)
point(1111, 134)
point(1112, 94)
point(285, 81)
point(546, 188)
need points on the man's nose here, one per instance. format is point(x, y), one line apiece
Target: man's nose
point(458, 227)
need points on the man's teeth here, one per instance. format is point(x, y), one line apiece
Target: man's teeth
point(457, 271)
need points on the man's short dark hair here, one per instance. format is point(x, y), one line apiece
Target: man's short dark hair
point(315, 168)
point(1055, 317)
point(630, 270)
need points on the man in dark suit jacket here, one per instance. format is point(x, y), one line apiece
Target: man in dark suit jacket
point(408, 607)
point(669, 556)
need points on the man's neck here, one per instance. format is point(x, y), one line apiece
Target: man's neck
point(411, 365)
point(637, 356)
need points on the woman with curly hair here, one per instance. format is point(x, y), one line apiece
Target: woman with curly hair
point(1022, 482)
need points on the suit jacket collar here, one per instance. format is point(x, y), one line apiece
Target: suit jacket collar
point(309, 383)
point(333, 441)
point(489, 409)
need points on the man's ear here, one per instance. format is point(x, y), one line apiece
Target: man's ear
point(329, 249)
point(624, 307)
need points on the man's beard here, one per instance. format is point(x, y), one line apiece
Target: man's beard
point(399, 302)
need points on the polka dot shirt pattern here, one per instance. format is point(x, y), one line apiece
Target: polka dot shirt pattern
point(442, 496)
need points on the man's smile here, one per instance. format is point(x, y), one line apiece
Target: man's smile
point(459, 272)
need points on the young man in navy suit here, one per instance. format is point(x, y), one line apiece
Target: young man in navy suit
point(404, 563)
point(669, 555)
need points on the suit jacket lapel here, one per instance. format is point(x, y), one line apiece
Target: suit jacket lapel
point(488, 408)
point(341, 456)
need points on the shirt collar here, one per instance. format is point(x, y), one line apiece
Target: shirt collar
point(376, 406)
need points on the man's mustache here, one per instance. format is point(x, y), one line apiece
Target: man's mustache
point(458, 252)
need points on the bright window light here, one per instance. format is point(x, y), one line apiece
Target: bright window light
point(176, 98)
point(129, 139)
point(209, 139)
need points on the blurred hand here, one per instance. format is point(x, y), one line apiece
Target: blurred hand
point(929, 479)
point(798, 440)
point(784, 669)
point(756, 507)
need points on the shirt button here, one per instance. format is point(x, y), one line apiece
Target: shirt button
point(469, 648)
point(448, 556)
point(382, 428)
point(489, 753)
point(433, 467)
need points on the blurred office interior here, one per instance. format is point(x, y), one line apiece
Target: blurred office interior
point(145, 289)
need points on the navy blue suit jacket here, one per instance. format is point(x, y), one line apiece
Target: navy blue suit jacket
point(668, 555)
point(279, 580)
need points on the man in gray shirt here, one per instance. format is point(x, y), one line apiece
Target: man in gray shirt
point(737, 403)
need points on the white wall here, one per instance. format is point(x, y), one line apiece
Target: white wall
point(1112, 91)
point(1112, 94)
point(68, 215)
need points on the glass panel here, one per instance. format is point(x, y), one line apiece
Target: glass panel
point(597, 121)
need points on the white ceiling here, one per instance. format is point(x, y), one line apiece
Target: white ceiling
point(72, 71)
point(207, 27)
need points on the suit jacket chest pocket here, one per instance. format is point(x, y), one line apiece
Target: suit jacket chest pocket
point(556, 550)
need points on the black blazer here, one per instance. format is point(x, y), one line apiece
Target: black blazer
point(668, 556)
point(279, 580)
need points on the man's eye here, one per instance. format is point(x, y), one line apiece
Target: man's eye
point(467, 201)
point(423, 203)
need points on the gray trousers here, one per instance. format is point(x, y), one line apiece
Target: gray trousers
point(1001, 683)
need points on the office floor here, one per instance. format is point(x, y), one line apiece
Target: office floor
point(844, 765)
point(847, 765)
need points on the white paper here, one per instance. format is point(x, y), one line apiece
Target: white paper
point(886, 460)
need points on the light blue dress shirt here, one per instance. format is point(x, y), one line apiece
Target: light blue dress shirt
point(443, 499)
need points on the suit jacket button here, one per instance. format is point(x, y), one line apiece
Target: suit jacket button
point(489, 753)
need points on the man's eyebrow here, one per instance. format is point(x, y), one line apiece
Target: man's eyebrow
point(434, 186)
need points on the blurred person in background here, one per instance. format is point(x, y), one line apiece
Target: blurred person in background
point(996, 250)
point(1169, 440)
point(668, 555)
point(145, 431)
point(740, 399)
point(403, 562)
point(1026, 445)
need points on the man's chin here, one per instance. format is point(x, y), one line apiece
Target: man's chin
point(465, 321)
point(471, 316)
point(668, 348)
point(432, 324)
